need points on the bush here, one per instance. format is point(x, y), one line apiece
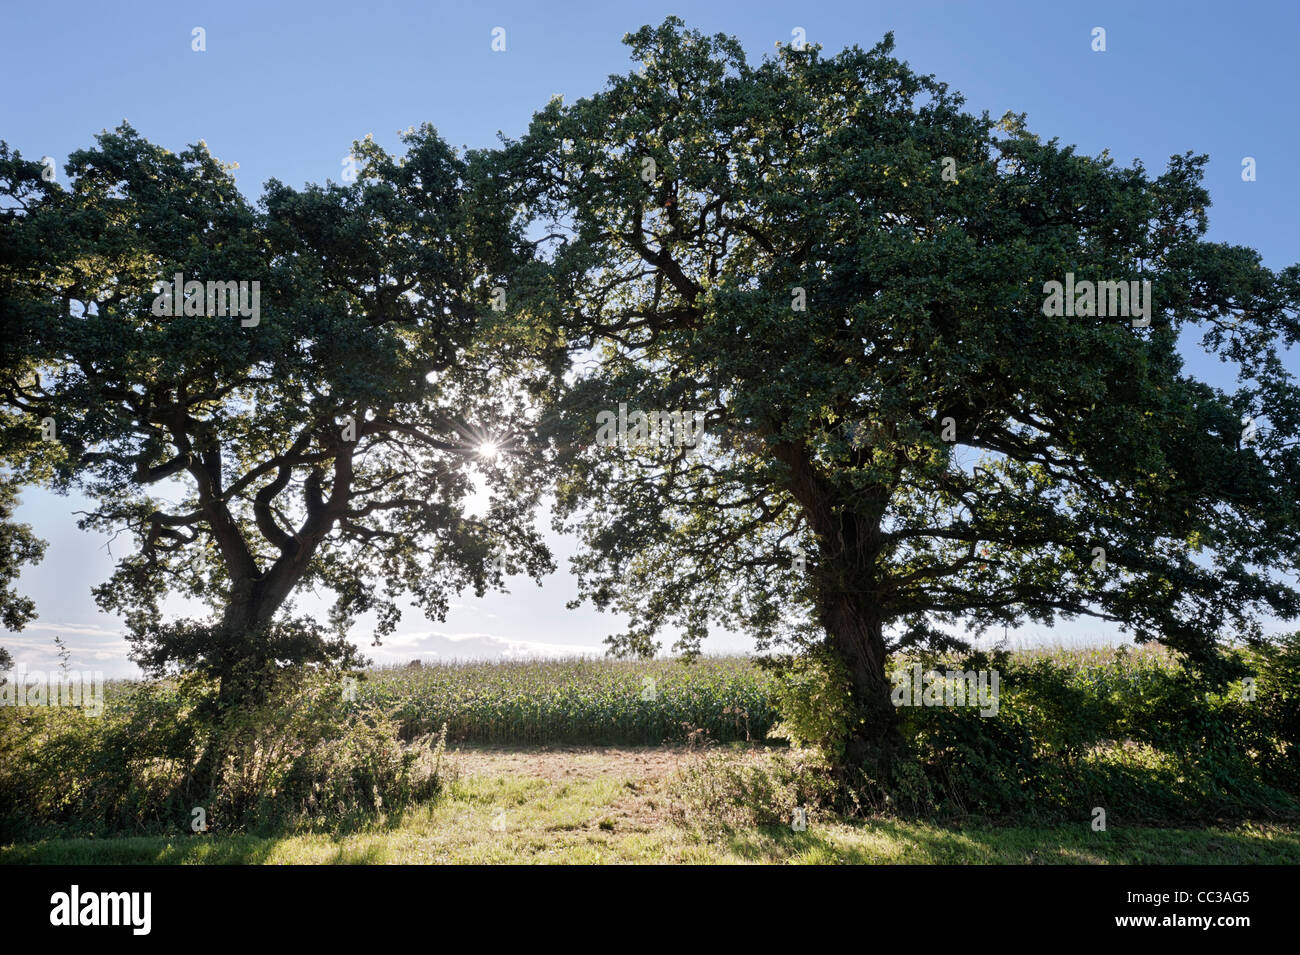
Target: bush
point(304, 757)
point(1129, 730)
point(718, 790)
point(811, 694)
point(1133, 732)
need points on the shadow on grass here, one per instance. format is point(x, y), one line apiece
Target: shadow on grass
point(144, 850)
point(243, 848)
point(894, 842)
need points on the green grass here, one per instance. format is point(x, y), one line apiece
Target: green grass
point(526, 819)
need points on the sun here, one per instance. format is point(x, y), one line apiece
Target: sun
point(488, 450)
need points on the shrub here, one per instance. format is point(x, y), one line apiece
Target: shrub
point(718, 790)
point(811, 693)
point(304, 757)
point(1131, 731)
point(1128, 729)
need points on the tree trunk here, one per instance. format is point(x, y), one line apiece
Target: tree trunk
point(857, 638)
point(849, 610)
point(241, 658)
point(241, 672)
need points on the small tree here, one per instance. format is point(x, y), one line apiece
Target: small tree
point(850, 276)
point(326, 433)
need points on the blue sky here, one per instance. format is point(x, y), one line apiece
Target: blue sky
point(283, 89)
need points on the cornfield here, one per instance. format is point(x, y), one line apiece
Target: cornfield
point(578, 701)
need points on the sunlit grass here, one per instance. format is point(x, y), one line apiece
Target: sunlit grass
point(526, 819)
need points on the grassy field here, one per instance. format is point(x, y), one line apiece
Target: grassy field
point(595, 805)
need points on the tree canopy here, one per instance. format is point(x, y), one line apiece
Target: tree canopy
point(850, 276)
point(327, 435)
point(24, 458)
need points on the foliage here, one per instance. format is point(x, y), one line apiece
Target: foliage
point(330, 440)
point(247, 656)
point(1132, 732)
point(18, 546)
point(1137, 735)
point(719, 790)
point(777, 246)
point(811, 694)
point(304, 757)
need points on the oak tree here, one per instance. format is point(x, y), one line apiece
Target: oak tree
point(906, 443)
point(322, 428)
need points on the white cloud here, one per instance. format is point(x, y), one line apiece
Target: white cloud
point(439, 645)
point(82, 629)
